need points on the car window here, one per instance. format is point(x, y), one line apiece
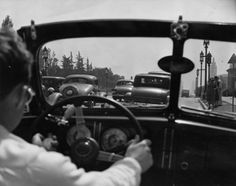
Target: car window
point(122, 83)
point(78, 80)
point(155, 82)
point(105, 62)
point(212, 83)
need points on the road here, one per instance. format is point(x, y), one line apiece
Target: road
point(196, 103)
point(186, 101)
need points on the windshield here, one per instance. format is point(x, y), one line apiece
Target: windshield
point(79, 80)
point(124, 83)
point(102, 63)
point(97, 65)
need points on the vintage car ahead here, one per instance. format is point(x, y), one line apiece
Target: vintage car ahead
point(151, 88)
point(79, 84)
point(190, 145)
point(123, 86)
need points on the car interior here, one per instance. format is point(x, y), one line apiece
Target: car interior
point(190, 146)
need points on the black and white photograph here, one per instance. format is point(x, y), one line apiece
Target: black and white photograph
point(117, 92)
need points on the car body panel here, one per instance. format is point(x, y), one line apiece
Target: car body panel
point(147, 90)
point(149, 95)
point(77, 88)
point(79, 84)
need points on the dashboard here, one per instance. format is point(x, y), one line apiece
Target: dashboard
point(111, 139)
point(188, 150)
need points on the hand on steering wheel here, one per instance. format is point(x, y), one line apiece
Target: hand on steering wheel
point(86, 150)
point(50, 143)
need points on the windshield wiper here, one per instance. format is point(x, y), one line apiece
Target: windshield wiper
point(211, 113)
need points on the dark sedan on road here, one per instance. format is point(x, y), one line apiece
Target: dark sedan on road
point(151, 88)
point(123, 86)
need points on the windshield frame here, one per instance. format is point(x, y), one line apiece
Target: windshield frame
point(129, 28)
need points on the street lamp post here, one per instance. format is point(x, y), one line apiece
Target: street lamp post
point(197, 89)
point(209, 63)
point(205, 44)
point(106, 72)
point(201, 61)
point(233, 79)
point(45, 58)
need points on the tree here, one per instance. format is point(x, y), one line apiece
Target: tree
point(7, 24)
point(67, 65)
point(53, 65)
point(80, 63)
point(72, 61)
point(89, 67)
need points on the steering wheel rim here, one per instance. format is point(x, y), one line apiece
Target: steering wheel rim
point(78, 100)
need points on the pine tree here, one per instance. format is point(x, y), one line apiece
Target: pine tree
point(71, 59)
point(91, 67)
point(66, 63)
point(7, 24)
point(79, 63)
point(87, 65)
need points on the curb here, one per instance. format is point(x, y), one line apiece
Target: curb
point(204, 106)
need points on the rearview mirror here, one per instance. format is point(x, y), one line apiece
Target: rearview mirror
point(179, 65)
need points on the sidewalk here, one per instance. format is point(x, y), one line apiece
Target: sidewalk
point(225, 107)
point(205, 105)
point(228, 99)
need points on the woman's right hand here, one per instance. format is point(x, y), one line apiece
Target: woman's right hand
point(141, 152)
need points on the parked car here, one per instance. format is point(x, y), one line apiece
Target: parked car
point(185, 93)
point(151, 88)
point(79, 84)
point(123, 86)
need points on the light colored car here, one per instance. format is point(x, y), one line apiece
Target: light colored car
point(79, 84)
point(123, 86)
point(151, 88)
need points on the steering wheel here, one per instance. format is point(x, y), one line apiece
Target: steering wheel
point(84, 151)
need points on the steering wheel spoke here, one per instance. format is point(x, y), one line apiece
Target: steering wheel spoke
point(108, 156)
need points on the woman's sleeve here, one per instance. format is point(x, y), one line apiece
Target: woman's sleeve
point(51, 168)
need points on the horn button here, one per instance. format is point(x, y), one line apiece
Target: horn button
point(84, 151)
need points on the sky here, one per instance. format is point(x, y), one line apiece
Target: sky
point(22, 11)
point(42, 11)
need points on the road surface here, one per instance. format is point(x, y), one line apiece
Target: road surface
point(184, 101)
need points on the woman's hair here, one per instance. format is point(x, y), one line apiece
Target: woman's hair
point(15, 62)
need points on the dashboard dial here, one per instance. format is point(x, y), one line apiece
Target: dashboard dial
point(113, 138)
